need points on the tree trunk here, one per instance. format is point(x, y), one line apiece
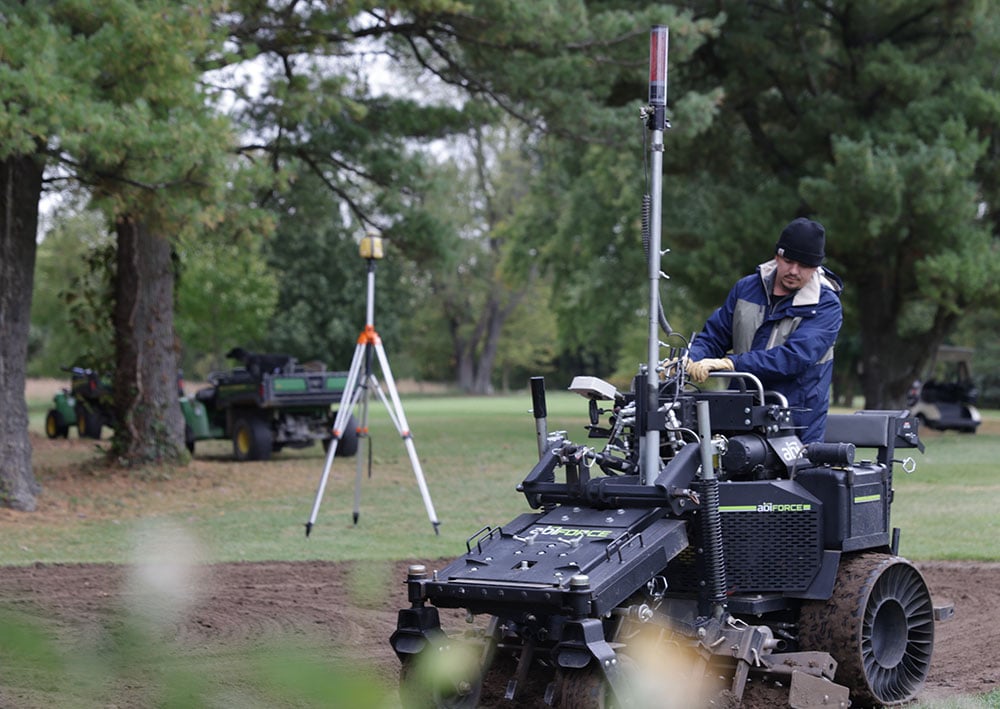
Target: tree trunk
point(20, 191)
point(497, 315)
point(888, 364)
point(151, 426)
point(464, 365)
point(465, 368)
point(491, 324)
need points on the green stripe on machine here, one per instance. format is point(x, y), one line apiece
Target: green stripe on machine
point(291, 384)
point(867, 498)
point(336, 383)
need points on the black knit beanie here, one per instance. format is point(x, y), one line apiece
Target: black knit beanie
point(803, 240)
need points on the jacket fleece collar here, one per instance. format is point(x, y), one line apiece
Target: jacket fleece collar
point(807, 294)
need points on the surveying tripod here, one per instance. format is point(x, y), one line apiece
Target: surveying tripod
point(361, 381)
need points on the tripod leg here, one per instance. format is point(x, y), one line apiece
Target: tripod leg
point(404, 431)
point(352, 391)
point(364, 442)
point(388, 406)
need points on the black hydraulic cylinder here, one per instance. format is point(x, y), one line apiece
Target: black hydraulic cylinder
point(538, 397)
point(538, 408)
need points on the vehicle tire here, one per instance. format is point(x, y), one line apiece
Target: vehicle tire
point(55, 424)
point(348, 446)
point(88, 422)
point(189, 438)
point(879, 627)
point(252, 439)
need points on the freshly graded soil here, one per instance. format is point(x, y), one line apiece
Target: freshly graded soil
point(332, 609)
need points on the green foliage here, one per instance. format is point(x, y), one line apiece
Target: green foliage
point(527, 346)
point(581, 217)
point(322, 280)
point(349, 161)
point(978, 331)
point(131, 658)
point(879, 126)
point(894, 204)
point(144, 131)
point(874, 119)
point(226, 296)
point(568, 71)
point(154, 154)
point(34, 89)
point(70, 307)
point(477, 198)
point(569, 68)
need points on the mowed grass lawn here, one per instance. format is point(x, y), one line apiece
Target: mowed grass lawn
point(473, 452)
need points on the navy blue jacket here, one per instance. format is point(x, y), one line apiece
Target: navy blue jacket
point(786, 342)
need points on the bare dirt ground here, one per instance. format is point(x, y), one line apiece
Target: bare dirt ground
point(242, 606)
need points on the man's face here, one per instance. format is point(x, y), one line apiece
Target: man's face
point(791, 275)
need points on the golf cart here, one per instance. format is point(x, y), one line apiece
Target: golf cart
point(946, 397)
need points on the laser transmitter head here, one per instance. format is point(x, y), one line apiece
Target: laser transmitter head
point(371, 246)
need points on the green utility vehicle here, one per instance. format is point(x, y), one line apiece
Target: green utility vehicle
point(86, 404)
point(268, 403)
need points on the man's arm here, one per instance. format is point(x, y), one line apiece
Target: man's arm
point(716, 338)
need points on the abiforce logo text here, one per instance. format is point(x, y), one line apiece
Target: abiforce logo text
point(553, 530)
point(775, 507)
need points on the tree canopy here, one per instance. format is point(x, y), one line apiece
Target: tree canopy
point(874, 118)
point(256, 122)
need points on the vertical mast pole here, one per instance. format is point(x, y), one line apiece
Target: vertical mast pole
point(370, 301)
point(658, 45)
